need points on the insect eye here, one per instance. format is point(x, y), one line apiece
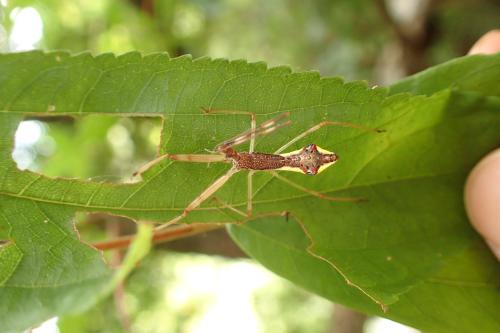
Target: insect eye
point(310, 171)
point(310, 148)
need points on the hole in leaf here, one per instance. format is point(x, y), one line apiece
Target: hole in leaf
point(98, 227)
point(95, 147)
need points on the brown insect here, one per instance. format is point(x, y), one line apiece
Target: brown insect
point(309, 160)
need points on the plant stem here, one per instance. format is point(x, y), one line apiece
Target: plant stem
point(161, 236)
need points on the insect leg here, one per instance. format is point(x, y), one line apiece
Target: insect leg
point(314, 193)
point(149, 164)
point(253, 122)
point(224, 204)
point(264, 128)
point(198, 158)
point(249, 193)
point(323, 124)
point(214, 187)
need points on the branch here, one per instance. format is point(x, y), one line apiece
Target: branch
point(161, 236)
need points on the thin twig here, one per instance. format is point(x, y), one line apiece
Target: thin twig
point(387, 17)
point(413, 38)
point(161, 236)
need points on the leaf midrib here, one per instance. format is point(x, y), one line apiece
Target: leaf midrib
point(165, 209)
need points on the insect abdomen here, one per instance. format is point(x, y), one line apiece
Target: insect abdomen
point(260, 161)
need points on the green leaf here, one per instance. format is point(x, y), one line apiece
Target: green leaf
point(479, 73)
point(138, 250)
point(419, 217)
point(45, 269)
point(407, 249)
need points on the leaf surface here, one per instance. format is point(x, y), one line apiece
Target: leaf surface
point(421, 218)
point(404, 249)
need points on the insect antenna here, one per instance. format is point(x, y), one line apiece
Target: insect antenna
point(328, 123)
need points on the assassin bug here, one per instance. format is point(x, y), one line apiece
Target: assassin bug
point(309, 160)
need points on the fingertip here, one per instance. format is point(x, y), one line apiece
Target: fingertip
point(482, 199)
point(489, 43)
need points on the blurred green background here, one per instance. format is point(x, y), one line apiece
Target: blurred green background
point(192, 285)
